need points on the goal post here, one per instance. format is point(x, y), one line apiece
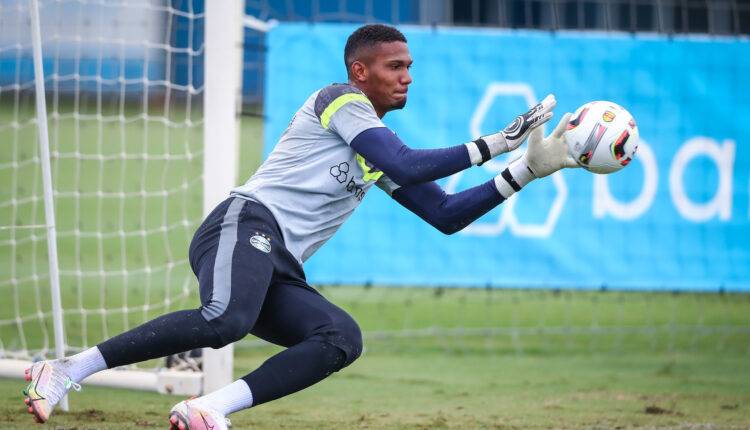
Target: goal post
point(142, 100)
point(49, 201)
point(222, 100)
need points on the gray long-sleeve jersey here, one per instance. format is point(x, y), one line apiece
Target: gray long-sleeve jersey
point(313, 180)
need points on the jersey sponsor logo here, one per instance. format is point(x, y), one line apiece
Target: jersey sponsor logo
point(340, 171)
point(261, 242)
point(352, 187)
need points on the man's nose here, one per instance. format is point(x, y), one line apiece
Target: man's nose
point(406, 78)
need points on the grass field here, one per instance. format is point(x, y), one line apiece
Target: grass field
point(543, 360)
point(434, 358)
point(429, 390)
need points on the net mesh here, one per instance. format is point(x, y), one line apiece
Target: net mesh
point(124, 85)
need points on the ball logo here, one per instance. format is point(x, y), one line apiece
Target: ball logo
point(261, 242)
point(608, 116)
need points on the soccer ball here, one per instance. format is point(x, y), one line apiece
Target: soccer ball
point(602, 137)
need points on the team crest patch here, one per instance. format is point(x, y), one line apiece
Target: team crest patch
point(261, 242)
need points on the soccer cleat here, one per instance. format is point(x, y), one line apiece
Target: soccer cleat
point(188, 415)
point(47, 386)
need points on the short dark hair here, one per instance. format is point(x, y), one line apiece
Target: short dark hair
point(367, 36)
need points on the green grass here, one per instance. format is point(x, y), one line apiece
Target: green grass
point(434, 358)
point(543, 360)
point(428, 389)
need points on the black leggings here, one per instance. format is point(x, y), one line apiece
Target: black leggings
point(249, 283)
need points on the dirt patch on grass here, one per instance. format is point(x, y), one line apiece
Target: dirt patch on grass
point(658, 410)
point(89, 415)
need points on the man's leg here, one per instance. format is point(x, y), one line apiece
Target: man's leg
point(321, 339)
point(233, 278)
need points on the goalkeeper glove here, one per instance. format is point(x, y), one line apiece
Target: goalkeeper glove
point(492, 145)
point(548, 155)
point(544, 157)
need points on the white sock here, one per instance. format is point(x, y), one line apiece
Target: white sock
point(232, 398)
point(78, 367)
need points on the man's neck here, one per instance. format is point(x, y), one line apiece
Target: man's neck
point(380, 113)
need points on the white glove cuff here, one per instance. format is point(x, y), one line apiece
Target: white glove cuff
point(513, 178)
point(519, 169)
point(497, 144)
point(486, 148)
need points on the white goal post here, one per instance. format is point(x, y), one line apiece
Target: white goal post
point(222, 49)
point(222, 102)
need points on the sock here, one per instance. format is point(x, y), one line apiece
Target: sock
point(82, 365)
point(232, 398)
point(513, 178)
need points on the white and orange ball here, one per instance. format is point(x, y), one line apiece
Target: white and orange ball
point(602, 137)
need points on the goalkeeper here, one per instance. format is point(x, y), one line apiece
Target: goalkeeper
point(248, 253)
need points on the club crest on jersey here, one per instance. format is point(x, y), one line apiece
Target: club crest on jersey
point(261, 242)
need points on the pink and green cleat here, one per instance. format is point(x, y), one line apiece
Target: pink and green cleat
point(47, 386)
point(188, 415)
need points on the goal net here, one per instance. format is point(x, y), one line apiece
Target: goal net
point(125, 92)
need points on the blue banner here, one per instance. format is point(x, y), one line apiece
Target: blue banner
point(678, 217)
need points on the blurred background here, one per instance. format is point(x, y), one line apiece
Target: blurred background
point(586, 301)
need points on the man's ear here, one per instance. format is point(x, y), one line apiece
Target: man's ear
point(358, 71)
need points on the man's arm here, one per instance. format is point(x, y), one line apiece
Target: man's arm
point(450, 213)
point(407, 166)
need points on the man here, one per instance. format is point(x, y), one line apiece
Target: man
point(249, 251)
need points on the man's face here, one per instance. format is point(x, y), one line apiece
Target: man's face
point(386, 78)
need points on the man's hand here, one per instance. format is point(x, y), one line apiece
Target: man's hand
point(492, 145)
point(547, 156)
point(517, 131)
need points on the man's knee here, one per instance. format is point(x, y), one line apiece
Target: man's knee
point(346, 336)
point(230, 327)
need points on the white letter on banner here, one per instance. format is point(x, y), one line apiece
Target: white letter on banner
point(723, 157)
point(605, 204)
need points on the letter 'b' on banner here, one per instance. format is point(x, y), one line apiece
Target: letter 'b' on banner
point(723, 157)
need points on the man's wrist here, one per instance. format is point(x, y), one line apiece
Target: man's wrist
point(486, 147)
point(514, 177)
